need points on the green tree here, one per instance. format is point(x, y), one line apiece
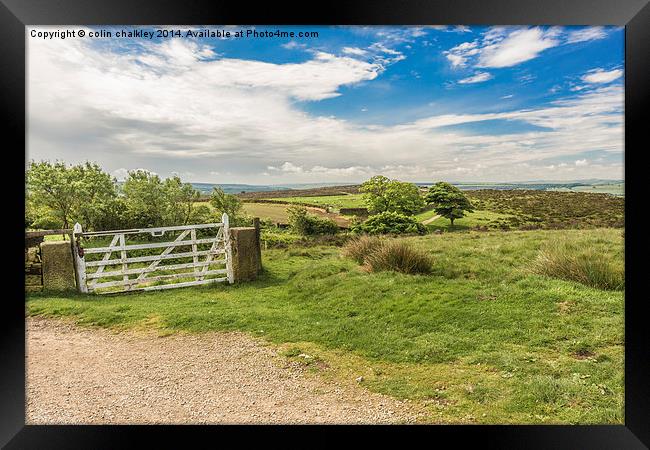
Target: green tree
point(306, 224)
point(145, 199)
point(226, 203)
point(52, 186)
point(96, 191)
point(60, 195)
point(383, 194)
point(179, 201)
point(448, 201)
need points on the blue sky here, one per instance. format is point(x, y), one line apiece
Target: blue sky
point(417, 103)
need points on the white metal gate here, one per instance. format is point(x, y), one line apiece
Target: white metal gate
point(183, 261)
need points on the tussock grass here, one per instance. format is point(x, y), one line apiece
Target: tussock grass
point(360, 247)
point(378, 255)
point(579, 261)
point(399, 256)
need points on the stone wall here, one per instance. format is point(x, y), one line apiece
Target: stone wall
point(33, 265)
point(58, 266)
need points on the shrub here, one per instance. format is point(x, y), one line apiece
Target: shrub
point(390, 222)
point(277, 238)
point(306, 224)
point(580, 262)
point(361, 246)
point(398, 256)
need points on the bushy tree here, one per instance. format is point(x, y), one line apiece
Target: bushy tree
point(153, 202)
point(145, 199)
point(383, 194)
point(306, 224)
point(202, 214)
point(180, 198)
point(97, 195)
point(227, 203)
point(448, 201)
point(52, 186)
point(389, 222)
point(60, 195)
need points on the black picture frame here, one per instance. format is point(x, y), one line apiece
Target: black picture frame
point(633, 14)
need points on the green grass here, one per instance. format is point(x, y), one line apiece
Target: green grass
point(552, 209)
point(613, 189)
point(425, 215)
point(480, 340)
point(334, 201)
point(277, 213)
point(481, 218)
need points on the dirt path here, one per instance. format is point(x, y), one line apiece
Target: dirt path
point(80, 376)
point(428, 221)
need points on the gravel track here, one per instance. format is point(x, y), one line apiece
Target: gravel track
point(78, 375)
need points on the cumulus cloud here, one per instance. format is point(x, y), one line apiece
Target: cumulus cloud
point(184, 108)
point(459, 54)
point(291, 45)
point(478, 77)
point(354, 51)
point(600, 76)
point(516, 47)
point(586, 34)
point(501, 46)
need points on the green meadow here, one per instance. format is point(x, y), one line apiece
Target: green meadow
point(482, 339)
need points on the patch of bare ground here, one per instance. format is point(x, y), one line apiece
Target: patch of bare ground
point(79, 375)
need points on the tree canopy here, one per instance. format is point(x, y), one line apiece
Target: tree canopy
point(448, 201)
point(58, 195)
point(226, 203)
point(382, 194)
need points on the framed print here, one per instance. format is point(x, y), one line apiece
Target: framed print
point(419, 216)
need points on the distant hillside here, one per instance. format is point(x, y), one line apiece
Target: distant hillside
point(206, 188)
point(250, 191)
point(312, 192)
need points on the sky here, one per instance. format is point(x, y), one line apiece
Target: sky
point(421, 104)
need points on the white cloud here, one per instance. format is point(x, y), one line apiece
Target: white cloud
point(581, 162)
point(354, 51)
point(121, 174)
point(378, 46)
point(478, 77)
point(288, 167)
point(231, 120)
point(518, 46)
point(459, 54)
point(602, 76)
point(291, 45)
point(450, 29)
point(586, 34)
point(503, 47)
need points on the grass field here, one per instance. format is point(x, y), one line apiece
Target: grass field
point(551, 209)
point(481, 340)
point(334, 201)
point(617, 189)
point(277, 213)
point(477, 218)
